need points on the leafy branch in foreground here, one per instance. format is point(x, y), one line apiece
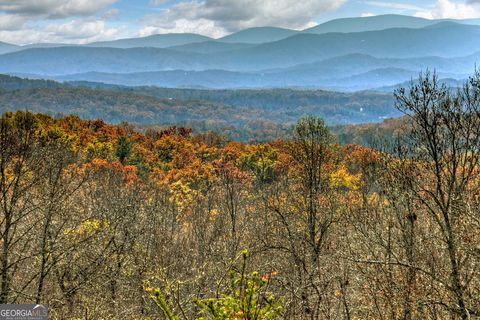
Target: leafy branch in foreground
point(246, 298)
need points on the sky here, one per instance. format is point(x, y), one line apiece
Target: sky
point(82, 21)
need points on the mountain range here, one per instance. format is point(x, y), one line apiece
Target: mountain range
point(343, 54)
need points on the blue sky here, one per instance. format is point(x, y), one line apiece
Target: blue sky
point(81, 21)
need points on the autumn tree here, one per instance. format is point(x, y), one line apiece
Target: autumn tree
point(20, 162)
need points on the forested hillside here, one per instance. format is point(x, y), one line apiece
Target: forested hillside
point(242, 115)
point(103, 221)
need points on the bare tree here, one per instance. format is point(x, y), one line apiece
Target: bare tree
point(442, 153)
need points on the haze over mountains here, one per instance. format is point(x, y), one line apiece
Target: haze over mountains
point(344, 54)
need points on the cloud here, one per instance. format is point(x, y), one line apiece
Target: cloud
point(66, 21)
point(81, 31)
point(54, 9)
point(445, 9)
point(219, 17)
point(12, 22)
point(394, 5)
point(201, 26)
point(74, 31)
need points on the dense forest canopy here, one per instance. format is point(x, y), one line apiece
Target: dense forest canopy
point(241, 115)
point(102, 221)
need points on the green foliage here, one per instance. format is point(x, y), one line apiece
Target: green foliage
point(246, 298)
point(312, 130)
point(373, 135)
point(124, 149)
point(162, 304)
point(17, 131)
point(261, 161)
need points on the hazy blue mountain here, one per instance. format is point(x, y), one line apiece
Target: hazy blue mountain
point(343, 66)
point(211, 47)
point(154, 41)
point(449, 82)
point(350, 72)
point(373, 78)
point(380, 22)
point(470, 21)
point(253, 36)
point(175, 79)
point(45, 45)
point(10, 83)
point(445, 40)
point(68, 60)
point(220, 79)
point(258, 35)
point(436, 43)
point(7, 47)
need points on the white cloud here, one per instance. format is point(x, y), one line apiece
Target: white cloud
point(12, 21)
point(81, 31)
point(74, 32)
point(200, 26)
point(219, 17)
point(394, 5)
point(367, 14)
point(445, 9)
point(66, 21)
point(53, 9)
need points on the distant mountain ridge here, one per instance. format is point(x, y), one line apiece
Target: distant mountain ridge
point(218, 79)
point(380, 22)
point(258, 35)
point(7, 47)
point(153, 41)
point(446, 40)
point(343, 54)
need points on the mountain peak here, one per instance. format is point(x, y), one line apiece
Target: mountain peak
point(258, 35)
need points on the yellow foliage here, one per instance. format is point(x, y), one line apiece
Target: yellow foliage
point(99, 150)
point(373, 199)
point(343, 179)
point(87, 227)
point(180, 193)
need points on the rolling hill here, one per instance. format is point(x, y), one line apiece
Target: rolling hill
point(68, 60)
point(153, 105)
point(347, 73)
point(209, 47)
point(375, 23)
point(444, 40)
point(154, 41)
point(7, 47)
point(258, 35)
